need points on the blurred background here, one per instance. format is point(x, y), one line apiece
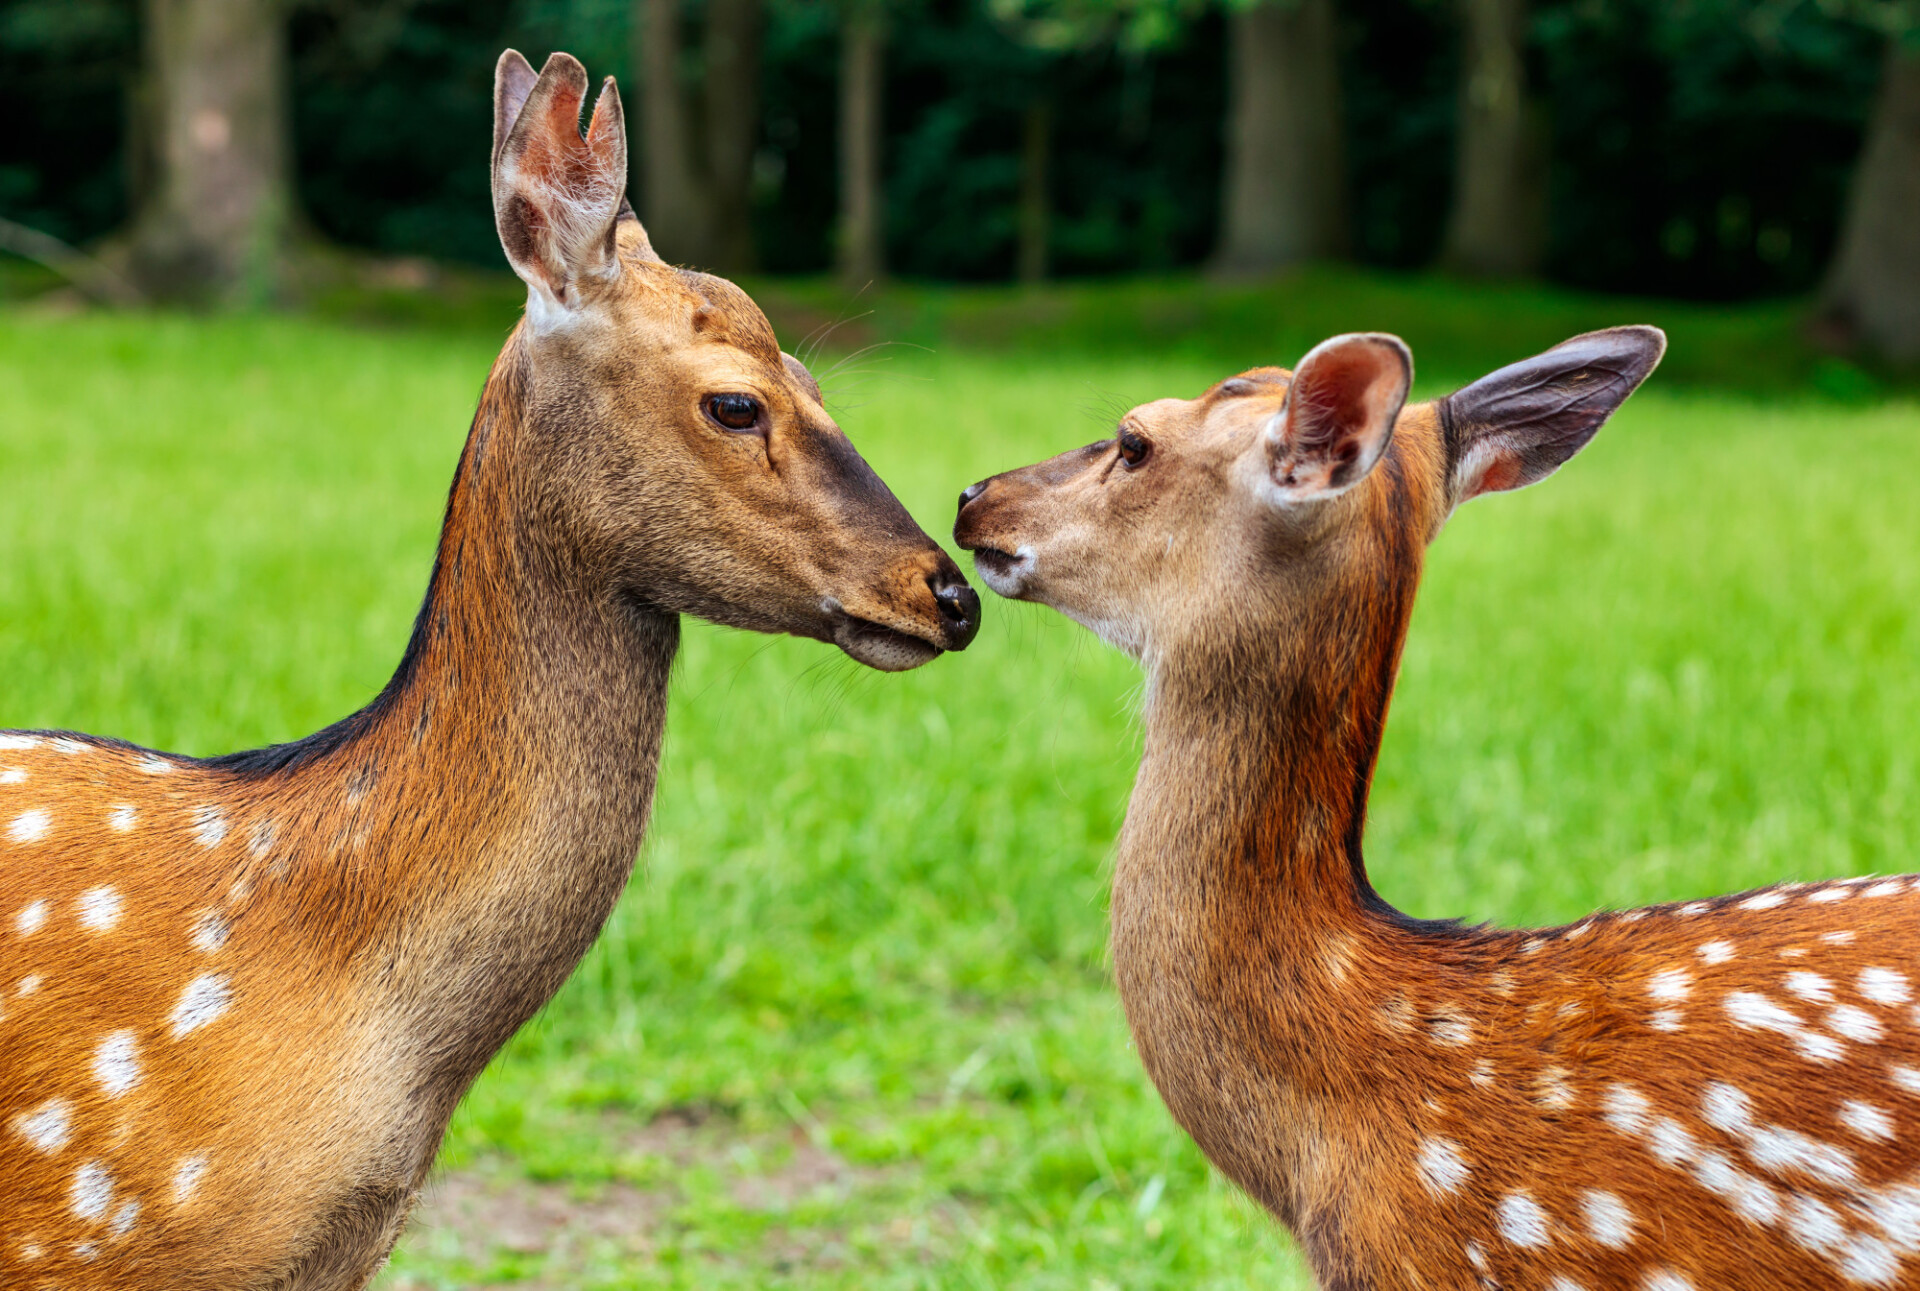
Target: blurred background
point(1702, 149)
point(853, 1024)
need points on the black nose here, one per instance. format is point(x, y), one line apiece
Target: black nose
point(971, 492)
point(959, 608)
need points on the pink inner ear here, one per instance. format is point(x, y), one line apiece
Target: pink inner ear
point(1501, 474)
point(1339, 393)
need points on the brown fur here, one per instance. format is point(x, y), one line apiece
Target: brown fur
point(383, 904)
point(1418, 1101)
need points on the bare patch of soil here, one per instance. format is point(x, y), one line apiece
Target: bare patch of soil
point(511, 1230)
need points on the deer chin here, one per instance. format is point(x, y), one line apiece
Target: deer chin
point(875, 644)
point(881, 647)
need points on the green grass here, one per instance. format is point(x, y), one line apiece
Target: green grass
point(871, 913)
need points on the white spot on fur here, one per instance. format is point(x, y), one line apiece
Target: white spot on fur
point(1627, 1110)
point(1609, 1222)
point(1564, 1284)
point(209, 826)
point(99, 909)
point(29, 984)
point(1669, 1141)
point(1670, 986)
point(86, 1250)
point(1552, 1091)
point(18, 743)
point(48, 1126)
point(1476, 1256)
point(1855, 1024)
point(1693, 908)
point(1665, 1280)
point(1441, 1167)
point(1840, 938)
point(205, 999)
point(70, 746)
point(155, 765)
point(1906, 1078)
point(260, 839)
point(1813, 1225)
point(1824, 895)
point(116, 1063)
point(1755, 1012)
point(1884, 986)
point(1781, 1151)
point(30, 826)
point(124, 1218)
point(209, 932)
point(1869, 1260)
point(1716, 952)
point(92, 1190)
point(186, 1177)
point(1482, 1073)
point(31, 919)
point(1751, 1199)
point(122, 819)
point(1885, 889)
point(1633, 916)
point(13, 775)
point(31, 1251)
point(1667, 1020)
point(1726, 1108)
point(1764, 901)
point(1451, 1028)
point(1866, 1120)
point(1810, 987)
point(1521, 1220)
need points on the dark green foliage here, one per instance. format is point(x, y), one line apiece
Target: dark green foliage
point(66, 69)
point(1699, 150)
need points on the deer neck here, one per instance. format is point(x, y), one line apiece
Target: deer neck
point(1241, 908)
point(456, 847)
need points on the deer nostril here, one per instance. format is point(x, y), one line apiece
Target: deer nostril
point(959, 609)
point(971, 492)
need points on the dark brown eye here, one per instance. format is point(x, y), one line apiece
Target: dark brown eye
point(1134, 448)
point(734, 411)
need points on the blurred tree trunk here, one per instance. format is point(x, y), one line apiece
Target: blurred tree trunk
point(673, 197)
point(1035, 207)
point(1498, 225)
point(213, 224)
point(732, 93)
point(1283, 195)
point(863, 246)
point(1872, 294)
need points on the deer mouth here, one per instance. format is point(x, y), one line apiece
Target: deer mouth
point(1005, 572)
point(879, 646)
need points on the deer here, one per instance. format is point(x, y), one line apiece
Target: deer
point(241, 996)
point(1709, 1095)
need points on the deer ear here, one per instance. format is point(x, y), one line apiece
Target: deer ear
point(513, 79)
point(1515, 427)
point(557, 197)
point(1338, 415)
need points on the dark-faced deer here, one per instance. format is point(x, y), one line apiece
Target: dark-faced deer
point(240, 997)
point(1721, 1095)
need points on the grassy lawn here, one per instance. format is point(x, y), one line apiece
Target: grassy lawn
point(853, 1025)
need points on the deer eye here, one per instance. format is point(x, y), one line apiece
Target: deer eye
point(1135, 448)
point(734, 411)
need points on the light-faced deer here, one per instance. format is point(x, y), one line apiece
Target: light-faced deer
point(1721, 1095)
point(240, 997)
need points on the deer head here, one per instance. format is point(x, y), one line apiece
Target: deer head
point(1274, 494)
point(690, 461)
